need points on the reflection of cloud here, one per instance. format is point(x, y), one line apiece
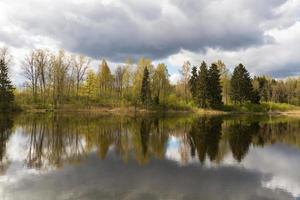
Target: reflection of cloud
point(281, 162)
point(17, 146)
point(284, 175)
point(111, 179)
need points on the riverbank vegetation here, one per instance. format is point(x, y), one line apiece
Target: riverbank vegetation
point(55, 81)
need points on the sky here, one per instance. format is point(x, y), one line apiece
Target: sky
point(264, 35)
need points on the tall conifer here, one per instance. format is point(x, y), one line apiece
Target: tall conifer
point(6, 88)
point(145, 90)
point(241, 86)
point(202, 90)
point(214, 87)
point(193, 83)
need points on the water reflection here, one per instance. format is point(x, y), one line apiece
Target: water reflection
point(6, 124)
point(52, 140)
point(221, 145)
point(204, 136)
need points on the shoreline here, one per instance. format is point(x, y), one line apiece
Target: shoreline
point(132, 110)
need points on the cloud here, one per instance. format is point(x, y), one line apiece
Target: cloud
point(246, 31)
point(278, 59)
point(119, 29)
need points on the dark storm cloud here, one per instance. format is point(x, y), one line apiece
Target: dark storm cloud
point(290, 69)
point(156, 28)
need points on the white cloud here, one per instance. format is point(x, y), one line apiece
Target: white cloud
point(261, 34)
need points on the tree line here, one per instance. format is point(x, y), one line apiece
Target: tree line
point(53, 80)
point(57, 79)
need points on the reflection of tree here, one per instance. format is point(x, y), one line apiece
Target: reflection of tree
point(151, 139)
point(35, 151)
point(159, 138)
point(213, 137)
point(56, 139)
point(52, 141)
point(240, 138)
point(145, 131)
point(204, 137)
point(6, 124)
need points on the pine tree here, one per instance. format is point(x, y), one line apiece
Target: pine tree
point(6, 88)
point(202, 88)
point(214, 87)
point(241, 86)
point(145, 90)
point(193, 83)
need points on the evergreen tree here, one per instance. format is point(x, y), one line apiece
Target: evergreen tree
point(6, 88)
point(145, 90)
point(214, 87)
point(202, 89)
point(193, 83)
point(255, 97)
point(241, 86)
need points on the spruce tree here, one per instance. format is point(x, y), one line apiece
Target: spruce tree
point(6, 88)
point(202, 89)
point(214, 87)
point(145, 90)
point(255, 97)
point(193, 83)
point(241, 86)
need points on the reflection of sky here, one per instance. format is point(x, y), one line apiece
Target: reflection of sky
point(281, 162)
point(17, 146)
point(160, 179)
point(172, 151)
point(278, 162)
point(265, 173)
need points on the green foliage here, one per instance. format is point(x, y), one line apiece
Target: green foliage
point(145, 90)
point(6, 89)
point(241, 86)
point(105, 79)
point(255, 97)
point(202, 96)
point(263, 107)
point(138, 77)
point(193, 83)
point(214, 87)
point(54, 80)
point(160, 84)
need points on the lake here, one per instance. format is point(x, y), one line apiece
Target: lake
point(89, 156)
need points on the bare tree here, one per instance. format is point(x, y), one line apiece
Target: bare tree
point(5, 55)
point(41, 61)
point(31, 73)
point(80, 65)
point(60, 66)
point(119, 76)
point(185, 73)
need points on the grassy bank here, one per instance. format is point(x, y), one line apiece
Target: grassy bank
point(264, 107)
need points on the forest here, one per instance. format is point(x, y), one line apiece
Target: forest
point(55, 80)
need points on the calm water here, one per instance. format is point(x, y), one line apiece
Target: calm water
point(80, 156)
